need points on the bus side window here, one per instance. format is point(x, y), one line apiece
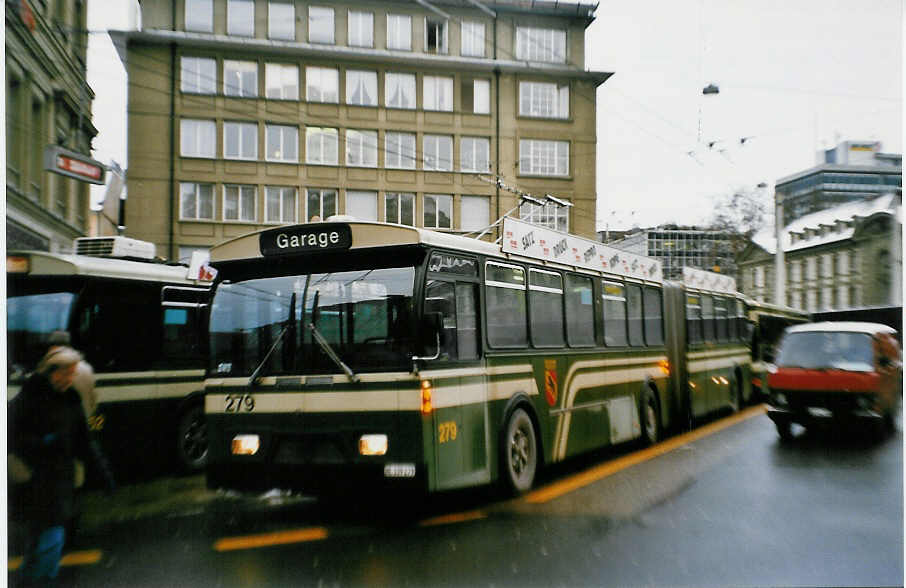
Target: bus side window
point(440, 297)
point(506, 316)
point(467, 333)
point(614, 298)
point(707, 319)
point(693, 318)
point(634, 311)
point(720, 318)
point(654, 317)
point(733, 319)
point(546, 308)
point(580, 311)
point(181, 335)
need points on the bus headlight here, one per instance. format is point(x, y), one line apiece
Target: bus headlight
point(245, 444)
point(373, 445)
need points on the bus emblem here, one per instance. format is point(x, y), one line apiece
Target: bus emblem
point(550, 381)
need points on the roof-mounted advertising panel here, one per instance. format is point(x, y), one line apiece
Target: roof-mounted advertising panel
point(522, 238)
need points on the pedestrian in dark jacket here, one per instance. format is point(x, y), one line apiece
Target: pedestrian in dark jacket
point(47, 432)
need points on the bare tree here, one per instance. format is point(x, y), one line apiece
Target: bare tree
point(744, 212)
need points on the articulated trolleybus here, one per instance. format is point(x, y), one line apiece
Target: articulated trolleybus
point(349, 353)
point(140, 323)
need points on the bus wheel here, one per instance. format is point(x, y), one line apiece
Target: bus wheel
point(651, 426)
point(520, 452)
point(192, 439)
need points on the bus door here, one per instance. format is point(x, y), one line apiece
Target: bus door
point(460, 416)
point(698, 376)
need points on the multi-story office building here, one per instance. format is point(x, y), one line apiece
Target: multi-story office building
point(853, 171)
point(676, 248)
point(48, 102)
point(846, 257)
point(244, 113)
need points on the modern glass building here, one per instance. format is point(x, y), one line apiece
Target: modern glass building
point(851, 172)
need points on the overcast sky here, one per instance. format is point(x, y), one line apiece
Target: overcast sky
point(795, 76)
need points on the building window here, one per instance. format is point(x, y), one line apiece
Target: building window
point(14, 132)
point(362, 205)
point(399, 150)
point(361, 29)
point(438, 153)
point(548, 215)
point(240, 140)
point(361, 148)
point(241, 18)
point(320, 25)
point(547, 45)
point(197, 138)
point(199, 15)
point(438, 211)
point(322, 85)
point(321, 203)
point(279, 204)
point(239, 203)
point(361, 88)
point(543, 158)
point(399, 90)
point(321, 146)
point(282, 143)
point(474, 212)
point(543, 100)
point(399, 32)
point(196, 201)
point(198, 75)
point(281, 21)
point(281, 81)
point(759, 277)
point(240, 78)
point(399, 208)
point(472, 39)
point(435, 35)
point(474, 154)
point(437, 93)
point(476, 96)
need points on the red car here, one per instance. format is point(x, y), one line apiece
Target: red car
point(827, 373)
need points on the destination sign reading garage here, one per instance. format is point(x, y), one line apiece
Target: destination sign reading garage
point(305, 239)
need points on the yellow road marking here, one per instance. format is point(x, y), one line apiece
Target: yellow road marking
point(459, 517)
point(270, 539)
point(582, 479)
point(75, 558)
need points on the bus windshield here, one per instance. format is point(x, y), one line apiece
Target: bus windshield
point(365, 317)
point(827, 350)
point(30, 319)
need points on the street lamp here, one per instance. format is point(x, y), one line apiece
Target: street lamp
point(711, 89)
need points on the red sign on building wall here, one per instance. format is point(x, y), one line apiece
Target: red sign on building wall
point(74, 165)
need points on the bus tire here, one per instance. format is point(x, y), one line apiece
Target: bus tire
point(520, 452)
point(649, 415)
point(192, 439)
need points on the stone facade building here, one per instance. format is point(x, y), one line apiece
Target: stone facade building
point(48, 102)
point(845, 257)
point(248, 113)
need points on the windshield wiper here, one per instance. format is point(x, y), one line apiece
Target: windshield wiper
point(289, 322)
point(325, 345)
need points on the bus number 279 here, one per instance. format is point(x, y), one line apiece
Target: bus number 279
point(239, 403)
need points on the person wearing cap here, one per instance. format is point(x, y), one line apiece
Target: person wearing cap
point(47, 432)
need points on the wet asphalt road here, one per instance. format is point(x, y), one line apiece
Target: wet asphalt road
point(734, 507)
